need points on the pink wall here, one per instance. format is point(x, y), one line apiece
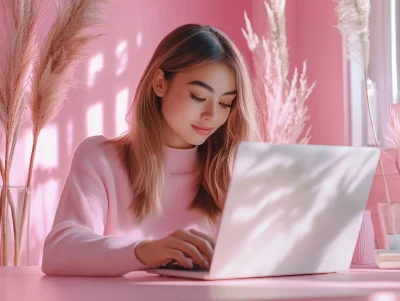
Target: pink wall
point(109, 78)
point(313, 37)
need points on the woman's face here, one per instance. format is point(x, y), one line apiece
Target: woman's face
point(195, 103)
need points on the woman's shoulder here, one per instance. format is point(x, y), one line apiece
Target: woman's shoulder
point(95, 149)
point(91, 145)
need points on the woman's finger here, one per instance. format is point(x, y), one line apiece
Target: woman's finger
point(179, 257)
point(199, 242)
point(189, 250)
point(205, 236)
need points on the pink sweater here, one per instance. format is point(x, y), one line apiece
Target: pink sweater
point(94, 233)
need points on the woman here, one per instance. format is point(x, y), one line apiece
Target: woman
point(156, 194)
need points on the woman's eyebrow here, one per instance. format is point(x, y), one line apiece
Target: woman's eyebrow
point(209, 88)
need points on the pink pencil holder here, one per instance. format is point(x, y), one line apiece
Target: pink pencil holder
point(365, 246)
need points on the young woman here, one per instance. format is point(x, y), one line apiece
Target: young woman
point(156, 193)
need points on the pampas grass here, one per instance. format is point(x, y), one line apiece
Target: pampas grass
point(67, 42)
point(17, 53)
point(281, 101)
point(277, 24)
point(65, 45)
point(353, 23)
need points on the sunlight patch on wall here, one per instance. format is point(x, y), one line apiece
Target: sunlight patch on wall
point(122, 57)
point(122, 100)
point(70, 137)
point(139, 39)
point(94, 120)
point(46, 150)
point(47, 193)
point(45, 199)
point(96, 64)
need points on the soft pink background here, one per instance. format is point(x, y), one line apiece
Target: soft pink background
point(109, 78)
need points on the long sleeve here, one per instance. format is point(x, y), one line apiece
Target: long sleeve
point(76, 244)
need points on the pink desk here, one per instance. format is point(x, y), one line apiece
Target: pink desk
point(29, 283)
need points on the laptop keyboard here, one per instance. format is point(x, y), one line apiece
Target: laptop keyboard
point(173, 265)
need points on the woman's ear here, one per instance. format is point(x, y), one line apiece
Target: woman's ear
point(159, 83)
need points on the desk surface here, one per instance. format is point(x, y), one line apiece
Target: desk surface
point(29, 283)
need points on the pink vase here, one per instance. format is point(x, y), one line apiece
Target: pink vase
point(378, 192)
point(365, 246)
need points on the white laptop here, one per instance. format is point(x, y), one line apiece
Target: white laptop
point(290, 210)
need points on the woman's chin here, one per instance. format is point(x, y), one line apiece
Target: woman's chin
point(197, 141)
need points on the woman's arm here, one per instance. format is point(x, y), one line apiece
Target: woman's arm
point(75, 244)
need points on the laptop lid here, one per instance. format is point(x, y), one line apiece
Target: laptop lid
point(293, 209)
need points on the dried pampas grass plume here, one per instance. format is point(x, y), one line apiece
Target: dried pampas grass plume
point(282, 108)
point(50, 71)
point(66, 44)
point(18, 51)
point(277, 24)
point(353, 23)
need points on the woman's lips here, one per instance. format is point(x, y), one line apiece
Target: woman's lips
point(202, 130)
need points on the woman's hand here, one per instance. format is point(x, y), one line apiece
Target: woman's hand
point(179, 246)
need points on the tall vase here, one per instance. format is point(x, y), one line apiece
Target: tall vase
point(378, 197)
point(14, 254)
point(365, 246)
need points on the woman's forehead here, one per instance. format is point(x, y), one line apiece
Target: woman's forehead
point(220, 77)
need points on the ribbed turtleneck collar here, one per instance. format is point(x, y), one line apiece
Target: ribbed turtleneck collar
point(181, 160)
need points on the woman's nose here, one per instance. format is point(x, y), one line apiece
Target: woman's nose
point(210, 112)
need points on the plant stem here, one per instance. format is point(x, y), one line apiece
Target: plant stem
point(17, 239)
point(17, 128)
point(3, 228)
point(15, 229)
point(13, 215)
point(375, 136)
point(3, 172)
point(4, 201)
point(28, 185)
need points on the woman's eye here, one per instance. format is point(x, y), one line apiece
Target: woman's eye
point(225, 105)
point(197, 98)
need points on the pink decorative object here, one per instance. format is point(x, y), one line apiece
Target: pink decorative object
point(364, 251)
point(394, 128)
point(378, 192)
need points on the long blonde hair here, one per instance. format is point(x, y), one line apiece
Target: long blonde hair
point(141, 149)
